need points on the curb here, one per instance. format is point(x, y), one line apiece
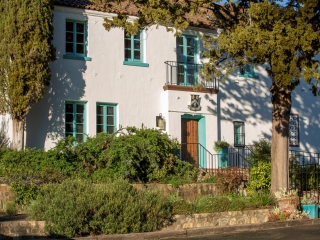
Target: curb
point(205, 231)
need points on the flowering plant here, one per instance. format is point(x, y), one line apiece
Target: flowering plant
point(220, 144)
point(306, 201)
point(284, 193)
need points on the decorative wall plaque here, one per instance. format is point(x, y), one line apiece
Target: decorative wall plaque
point(195, 103)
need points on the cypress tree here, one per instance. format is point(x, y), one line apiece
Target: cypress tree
point(26, 32)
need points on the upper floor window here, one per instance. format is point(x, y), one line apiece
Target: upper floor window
point(75, 120)
point(294, 130)
point(239, 134)
point(187, 67)
point(134, 50)
point(248, 71)
point(106, 118)
point(76, 40)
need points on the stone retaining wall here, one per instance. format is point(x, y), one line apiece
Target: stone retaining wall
point(218, 219)
point(22, 228)
point(185, 191)
point(6, 195)
point(36, 228)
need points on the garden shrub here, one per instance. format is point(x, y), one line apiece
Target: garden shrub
point(228, 179)
point(78, 208)
point(260, 172)
point(143, 155)
point(11, 208)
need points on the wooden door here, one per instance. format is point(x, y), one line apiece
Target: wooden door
point(189, 140)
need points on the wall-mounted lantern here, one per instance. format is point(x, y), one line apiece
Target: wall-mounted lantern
point(161, 122)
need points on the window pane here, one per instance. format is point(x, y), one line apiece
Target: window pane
point(99, 109)
point(180, 41)
point(127, 43)
point(127, 54)
point(137, 36)
point(137, 45)
point(80, 137)
point(80, 128)
point(137, 55)
point(110, 120)
point(69, 117)
point(69, 108)
point(99, 119)
point(110, 110)
point(80, 108)
point(69, 47)
point(247, 68)
point(80, 48)
point(69, 127)
point(79, 118)
point(190, 51)
point(80, 27)
point(80, 38)
point(190, 42)
point(110, 129)
point(180, 79)
point(190, 59)
point(69, 37)
point(69, 26)
point(69, 134)
point(99, 128)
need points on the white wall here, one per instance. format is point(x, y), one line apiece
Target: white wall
point(139, 95)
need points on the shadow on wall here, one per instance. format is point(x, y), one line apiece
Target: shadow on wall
point(243, 99)
point(249, 100)
point(4, 132)
point(46, 119)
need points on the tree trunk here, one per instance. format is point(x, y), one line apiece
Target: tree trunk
point(18, 134)
point(281, 101)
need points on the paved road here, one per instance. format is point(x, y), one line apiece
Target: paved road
point(308, 232)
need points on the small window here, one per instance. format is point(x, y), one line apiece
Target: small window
point(294, 130)
point(134, 50)
point(75, 120)
point(248, 71)
point(76, 40)
point(239, 134)
point(106, 118)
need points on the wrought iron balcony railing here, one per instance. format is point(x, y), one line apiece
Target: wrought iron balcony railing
point(187, 74)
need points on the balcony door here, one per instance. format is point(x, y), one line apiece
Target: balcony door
point(187, 69)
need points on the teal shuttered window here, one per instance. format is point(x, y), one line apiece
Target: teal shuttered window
point(76, 40)
point(239, 134)
point(106, 118)
point(133, 50)
point(75, 120)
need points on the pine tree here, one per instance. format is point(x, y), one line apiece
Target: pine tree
point(26, 32)
point(283, 34)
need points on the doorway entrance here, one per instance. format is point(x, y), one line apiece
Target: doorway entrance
point(189, 140)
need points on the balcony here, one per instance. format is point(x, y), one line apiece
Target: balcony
point(185, 76)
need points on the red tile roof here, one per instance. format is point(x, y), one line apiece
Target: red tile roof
point(109, 7)
point(125, 8)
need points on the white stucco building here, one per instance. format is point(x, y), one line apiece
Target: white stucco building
point(103, 79)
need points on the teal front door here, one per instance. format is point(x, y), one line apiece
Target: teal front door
point(187, 69)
